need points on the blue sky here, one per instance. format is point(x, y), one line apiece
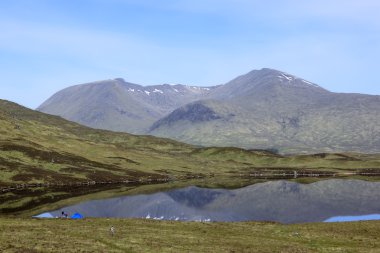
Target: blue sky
point(47, 45)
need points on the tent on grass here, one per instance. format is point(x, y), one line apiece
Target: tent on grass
point(77, 216)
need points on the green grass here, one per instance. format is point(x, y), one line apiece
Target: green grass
point(136, 235)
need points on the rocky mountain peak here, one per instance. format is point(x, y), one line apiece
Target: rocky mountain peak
point(119, 79)
point(270, 76)
point(264, 81)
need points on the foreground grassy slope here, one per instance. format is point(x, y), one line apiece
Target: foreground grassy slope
point(40, 148)
point(134, 235)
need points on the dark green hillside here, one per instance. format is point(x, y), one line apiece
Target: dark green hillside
point(36, 147)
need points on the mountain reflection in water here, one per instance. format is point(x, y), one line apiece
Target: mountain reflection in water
point(281, 201)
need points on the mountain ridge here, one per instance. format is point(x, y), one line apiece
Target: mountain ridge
point(117, 105)
point(261, 109)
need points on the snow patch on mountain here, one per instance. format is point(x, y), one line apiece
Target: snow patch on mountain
point(312, 84)
point(287, 77)
point(157, 90)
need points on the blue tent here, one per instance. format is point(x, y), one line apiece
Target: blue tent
point(77, 216)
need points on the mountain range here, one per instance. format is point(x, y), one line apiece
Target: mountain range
point(263, 109)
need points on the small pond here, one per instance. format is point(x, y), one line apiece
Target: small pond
point(280, 201)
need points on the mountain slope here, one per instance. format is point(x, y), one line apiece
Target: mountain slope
point(272, 109)
point(120, 106)
point(41, 148)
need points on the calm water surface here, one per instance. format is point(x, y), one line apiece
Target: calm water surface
point(281, 201)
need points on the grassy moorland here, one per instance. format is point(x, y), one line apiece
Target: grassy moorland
point(135, 235)
point(40, 148)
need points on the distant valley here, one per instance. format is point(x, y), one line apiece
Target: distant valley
point(263, 109)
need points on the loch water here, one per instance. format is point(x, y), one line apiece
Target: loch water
point(278, 201)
